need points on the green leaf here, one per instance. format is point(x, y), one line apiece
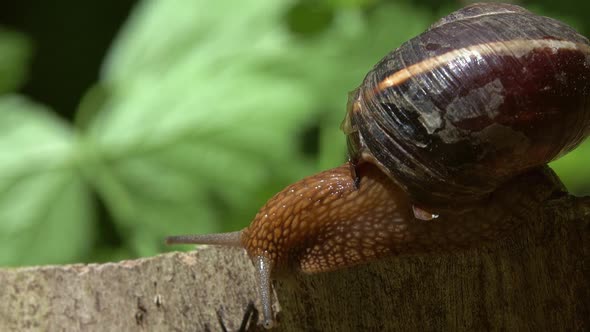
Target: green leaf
point(573, 169)
point(45, 211)
point(351, 3)
point(15, 53)
point(196, 123)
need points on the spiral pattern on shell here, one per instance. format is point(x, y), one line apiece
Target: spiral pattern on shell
point(485, 94)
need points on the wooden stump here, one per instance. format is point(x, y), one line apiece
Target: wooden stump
point(537, 280)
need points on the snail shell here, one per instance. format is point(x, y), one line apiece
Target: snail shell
point(486, 93)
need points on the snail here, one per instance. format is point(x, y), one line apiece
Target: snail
point(448, 140)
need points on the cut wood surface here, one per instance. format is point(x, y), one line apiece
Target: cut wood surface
point(535, 280)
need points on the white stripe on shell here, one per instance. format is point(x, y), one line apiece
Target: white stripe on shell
point(516, 48)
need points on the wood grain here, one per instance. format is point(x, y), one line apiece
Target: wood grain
point(536, 280)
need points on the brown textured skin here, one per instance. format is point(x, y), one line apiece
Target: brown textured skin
point(324, 222)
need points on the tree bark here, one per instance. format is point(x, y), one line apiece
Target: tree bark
point(535, 280)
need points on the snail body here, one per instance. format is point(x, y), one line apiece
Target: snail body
point(448, 139)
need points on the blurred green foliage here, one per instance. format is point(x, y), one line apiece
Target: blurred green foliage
point(15, 51)
point(202, 111)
